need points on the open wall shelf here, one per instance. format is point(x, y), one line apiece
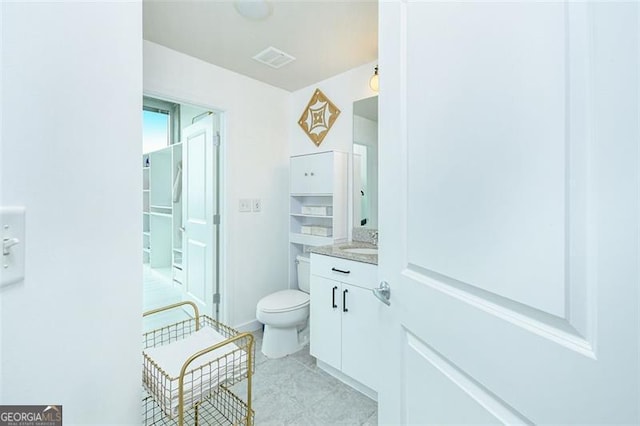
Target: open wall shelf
point(162, 212)
point(317, 203)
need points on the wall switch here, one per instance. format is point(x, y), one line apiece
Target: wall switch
point(12, 235)
point(257, 205)
point(245, 205)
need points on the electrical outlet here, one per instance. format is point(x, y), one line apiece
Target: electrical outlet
point(245, 205)
point(257, 205)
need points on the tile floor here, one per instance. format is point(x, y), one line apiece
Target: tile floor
point(294, 391)
point(286, 391)
point(157, 292)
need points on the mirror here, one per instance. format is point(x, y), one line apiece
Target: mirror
point(365, 163)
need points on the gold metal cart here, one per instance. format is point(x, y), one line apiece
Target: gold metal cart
point(189, 369)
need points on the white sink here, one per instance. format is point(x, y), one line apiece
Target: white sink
point(361, 250)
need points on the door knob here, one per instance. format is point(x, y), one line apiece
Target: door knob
point(383, 293)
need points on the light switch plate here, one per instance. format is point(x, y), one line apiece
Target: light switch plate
point(12, 234)
point(245, 205)
point(256, 205)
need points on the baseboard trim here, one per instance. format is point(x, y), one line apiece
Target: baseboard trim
point(365, 390)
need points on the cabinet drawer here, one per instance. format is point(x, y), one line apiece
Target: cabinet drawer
point(360, 274)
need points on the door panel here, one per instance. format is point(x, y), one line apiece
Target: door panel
point(199, 209)
point(504, 169)
point(497, 236)
point(499, 231)
point(196, 172)
point(455, 397)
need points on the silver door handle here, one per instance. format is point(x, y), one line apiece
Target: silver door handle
point(383, 293)
point(182, 229)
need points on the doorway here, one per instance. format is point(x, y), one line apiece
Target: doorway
point(180, 170)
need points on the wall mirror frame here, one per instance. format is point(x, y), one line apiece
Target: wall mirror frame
point(365, 163)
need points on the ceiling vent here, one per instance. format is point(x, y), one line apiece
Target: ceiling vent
point(273, 57)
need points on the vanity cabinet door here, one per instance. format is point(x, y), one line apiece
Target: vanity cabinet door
point(360, 335)
point(312, 174)
point(325, 319)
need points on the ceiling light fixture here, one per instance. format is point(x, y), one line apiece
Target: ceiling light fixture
point(255, 10)
point(373, 81)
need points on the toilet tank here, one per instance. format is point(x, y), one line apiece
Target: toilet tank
point(304, 273)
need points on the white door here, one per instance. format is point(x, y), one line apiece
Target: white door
point(199, 157)
point(509, 212)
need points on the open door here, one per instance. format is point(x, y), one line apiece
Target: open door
point(200, 213)
point(509, 212)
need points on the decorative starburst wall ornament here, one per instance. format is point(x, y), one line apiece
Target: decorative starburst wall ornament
point(318, 117)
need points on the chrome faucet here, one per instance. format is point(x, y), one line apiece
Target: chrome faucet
point(374, 238)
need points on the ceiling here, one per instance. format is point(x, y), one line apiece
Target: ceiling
point(326, 37)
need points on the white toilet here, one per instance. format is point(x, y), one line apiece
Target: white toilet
point(285, 316)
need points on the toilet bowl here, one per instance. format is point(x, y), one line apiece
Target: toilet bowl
point(285, 316)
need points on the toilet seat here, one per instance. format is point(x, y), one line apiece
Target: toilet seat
point(283, 301)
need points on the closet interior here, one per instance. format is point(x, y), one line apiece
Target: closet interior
point(162, 174)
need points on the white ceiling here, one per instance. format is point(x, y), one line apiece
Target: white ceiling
point(326, 37)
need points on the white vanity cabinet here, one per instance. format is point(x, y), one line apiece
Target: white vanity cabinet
point(344, 319)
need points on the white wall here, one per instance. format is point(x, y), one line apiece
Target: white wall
point(71, 80)
point(255, 152)
point(343, 90)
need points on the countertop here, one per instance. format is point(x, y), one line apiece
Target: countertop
point(336, 250)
